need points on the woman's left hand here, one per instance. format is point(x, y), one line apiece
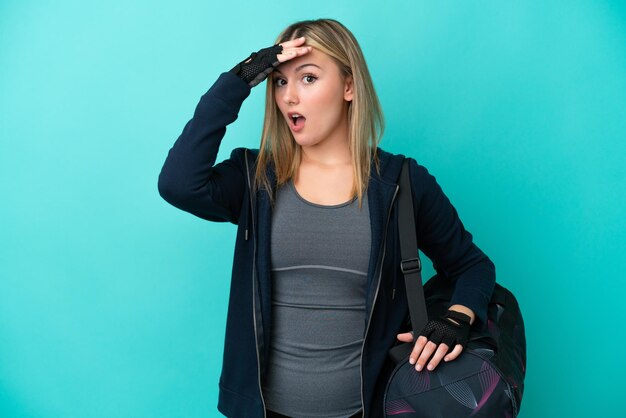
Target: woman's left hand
point(451, 330)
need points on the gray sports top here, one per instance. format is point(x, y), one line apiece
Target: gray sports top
point(320, 256)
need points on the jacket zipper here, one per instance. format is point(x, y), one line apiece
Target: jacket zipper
point(380, 274)
point(258, 356)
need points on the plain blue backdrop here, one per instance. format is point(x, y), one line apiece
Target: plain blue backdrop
point(113, 303)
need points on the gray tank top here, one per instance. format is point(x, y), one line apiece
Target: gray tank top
point(320, 256)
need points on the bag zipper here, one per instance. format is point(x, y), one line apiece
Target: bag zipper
point(376, 294)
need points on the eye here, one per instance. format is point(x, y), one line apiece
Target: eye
point(309, 79)
point(278, 81)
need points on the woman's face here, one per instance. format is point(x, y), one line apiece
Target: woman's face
point(311, 86)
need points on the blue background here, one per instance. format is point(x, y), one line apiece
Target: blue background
point(113, 303)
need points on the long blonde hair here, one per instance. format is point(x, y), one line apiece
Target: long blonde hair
point(365, 118)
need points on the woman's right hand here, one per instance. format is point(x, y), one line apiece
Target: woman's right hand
point(254, 69)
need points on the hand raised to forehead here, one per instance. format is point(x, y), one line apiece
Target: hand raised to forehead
point(258, 65)
point(293, 49)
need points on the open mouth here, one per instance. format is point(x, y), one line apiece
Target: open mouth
point(296, 121)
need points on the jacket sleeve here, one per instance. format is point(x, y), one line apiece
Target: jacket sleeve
point(443, 238)
point(189, 179)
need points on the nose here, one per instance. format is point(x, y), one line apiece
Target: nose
point(290, 95)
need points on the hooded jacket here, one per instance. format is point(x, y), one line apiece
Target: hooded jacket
point(190, 180)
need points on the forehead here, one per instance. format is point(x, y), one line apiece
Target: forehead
point(322, 60)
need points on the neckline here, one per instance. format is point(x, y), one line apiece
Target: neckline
point(317, 205)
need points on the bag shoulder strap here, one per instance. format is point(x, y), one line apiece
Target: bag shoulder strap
point(411, 264)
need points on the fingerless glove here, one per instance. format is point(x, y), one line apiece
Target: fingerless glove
point(445, 330)
point(260, 65)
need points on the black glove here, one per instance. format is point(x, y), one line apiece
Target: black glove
point(261, 64)
point(451, 329)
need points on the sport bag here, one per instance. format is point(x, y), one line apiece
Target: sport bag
point(487, 379)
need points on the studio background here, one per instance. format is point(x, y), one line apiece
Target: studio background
point(113, 303)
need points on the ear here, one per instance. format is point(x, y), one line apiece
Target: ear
point(348, 91)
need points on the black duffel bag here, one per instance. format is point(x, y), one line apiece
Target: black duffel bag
point(487, 379)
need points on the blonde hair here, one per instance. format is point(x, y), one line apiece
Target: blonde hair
point(365, 118)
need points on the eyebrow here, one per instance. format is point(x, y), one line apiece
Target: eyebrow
point(298, 68)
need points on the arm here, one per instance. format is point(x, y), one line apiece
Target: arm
point(189, 179)
point(444, 239)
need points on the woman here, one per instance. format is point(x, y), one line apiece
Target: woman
point(317, 295)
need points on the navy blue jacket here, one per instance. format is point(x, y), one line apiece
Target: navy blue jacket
point(191, 181)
